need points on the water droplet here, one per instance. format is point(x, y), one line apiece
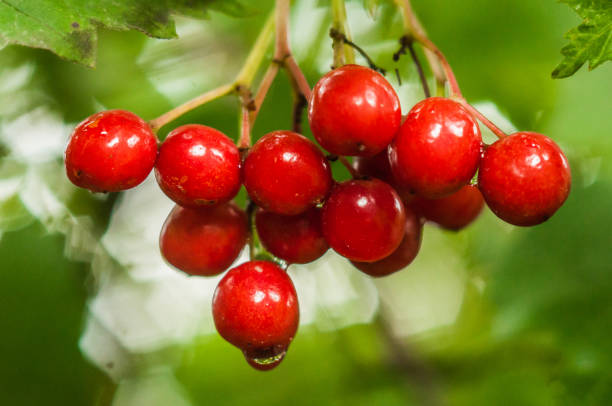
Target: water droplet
point(265, 359)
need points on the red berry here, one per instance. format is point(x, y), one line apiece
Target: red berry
point(403, 255)
point(524, 178)
point(204, 241)
point(198, 166)
point(452, 212)
point(378, 166)
point(286, 173)
point(354, 111)
point(110, 151)
point(363, 220)
point(296, 239)
point(437, 149)
point(255, 308)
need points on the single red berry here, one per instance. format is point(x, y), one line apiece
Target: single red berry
point(437, 149)
point(110, 151)
point(363, 220)
point(255, 308)
point(286, 173)
point(296, 239)
point(203, 241)
point(403, 255)
point(198, 166)
point(452, 212)
point(354, 111)
point(524, 178)
point(378, 166)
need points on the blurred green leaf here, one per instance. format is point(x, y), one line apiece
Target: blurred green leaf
point(591, 41)
point(69, 27)
point(13, 214)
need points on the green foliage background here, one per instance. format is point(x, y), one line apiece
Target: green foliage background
point(539, 332)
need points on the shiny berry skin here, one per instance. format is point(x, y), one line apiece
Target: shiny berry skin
point(452, 212)
point(403, 255)
point(203, 241)
point(378, 166)
point(198, 166)
point(255, 308)
point(363, 220)
point(354, 111)
point(286, 173)
point(296, 239)
point(437, 148)
point(110, 151)
point(524, 178)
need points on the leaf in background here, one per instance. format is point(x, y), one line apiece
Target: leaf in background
point(591, 41)
point(69, 27)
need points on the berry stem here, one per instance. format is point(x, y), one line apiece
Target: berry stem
point(343, 53)
point(282, 57)
point(243, 79)
point(349, 167)
point(416, 31)
point(413, 25)
point(336, 35)
point(406, 43)
point(495, 129)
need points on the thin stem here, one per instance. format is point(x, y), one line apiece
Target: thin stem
point(448, 71)
point(406, 43)
point(176, 112)
point(337, 35)
point(495, 129)
point(244, 78)
point(246, 106)
point(257, 54)
point(412, 25)
point(296, 73)
point(262, 91)
point(342, 52)
point(299, 104)
point(348, 166)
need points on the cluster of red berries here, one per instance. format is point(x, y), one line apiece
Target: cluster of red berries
point(405, 173)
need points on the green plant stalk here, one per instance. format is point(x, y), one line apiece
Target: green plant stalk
point(342, 52)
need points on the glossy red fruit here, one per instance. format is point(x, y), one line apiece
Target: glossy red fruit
point(378, 166)
point(198, 166)
point(452, 212)
point(203, 241)
point(524, 178)
point(403, 255)
point(255, 308)
point(296, 239)
point(286, 173)
point(110, 151)
point(437, 149)
point(354, 111)
point(363, 220)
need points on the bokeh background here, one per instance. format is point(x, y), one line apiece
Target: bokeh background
point(492, 315)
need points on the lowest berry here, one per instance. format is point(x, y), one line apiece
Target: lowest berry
point(255, 308)
point(110, 151)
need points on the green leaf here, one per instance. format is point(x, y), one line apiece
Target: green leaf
point(13, 214)
point(371, 7)
point(591, 41)
point(69, 27)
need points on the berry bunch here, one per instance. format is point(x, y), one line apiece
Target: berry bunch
point(404, 174)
